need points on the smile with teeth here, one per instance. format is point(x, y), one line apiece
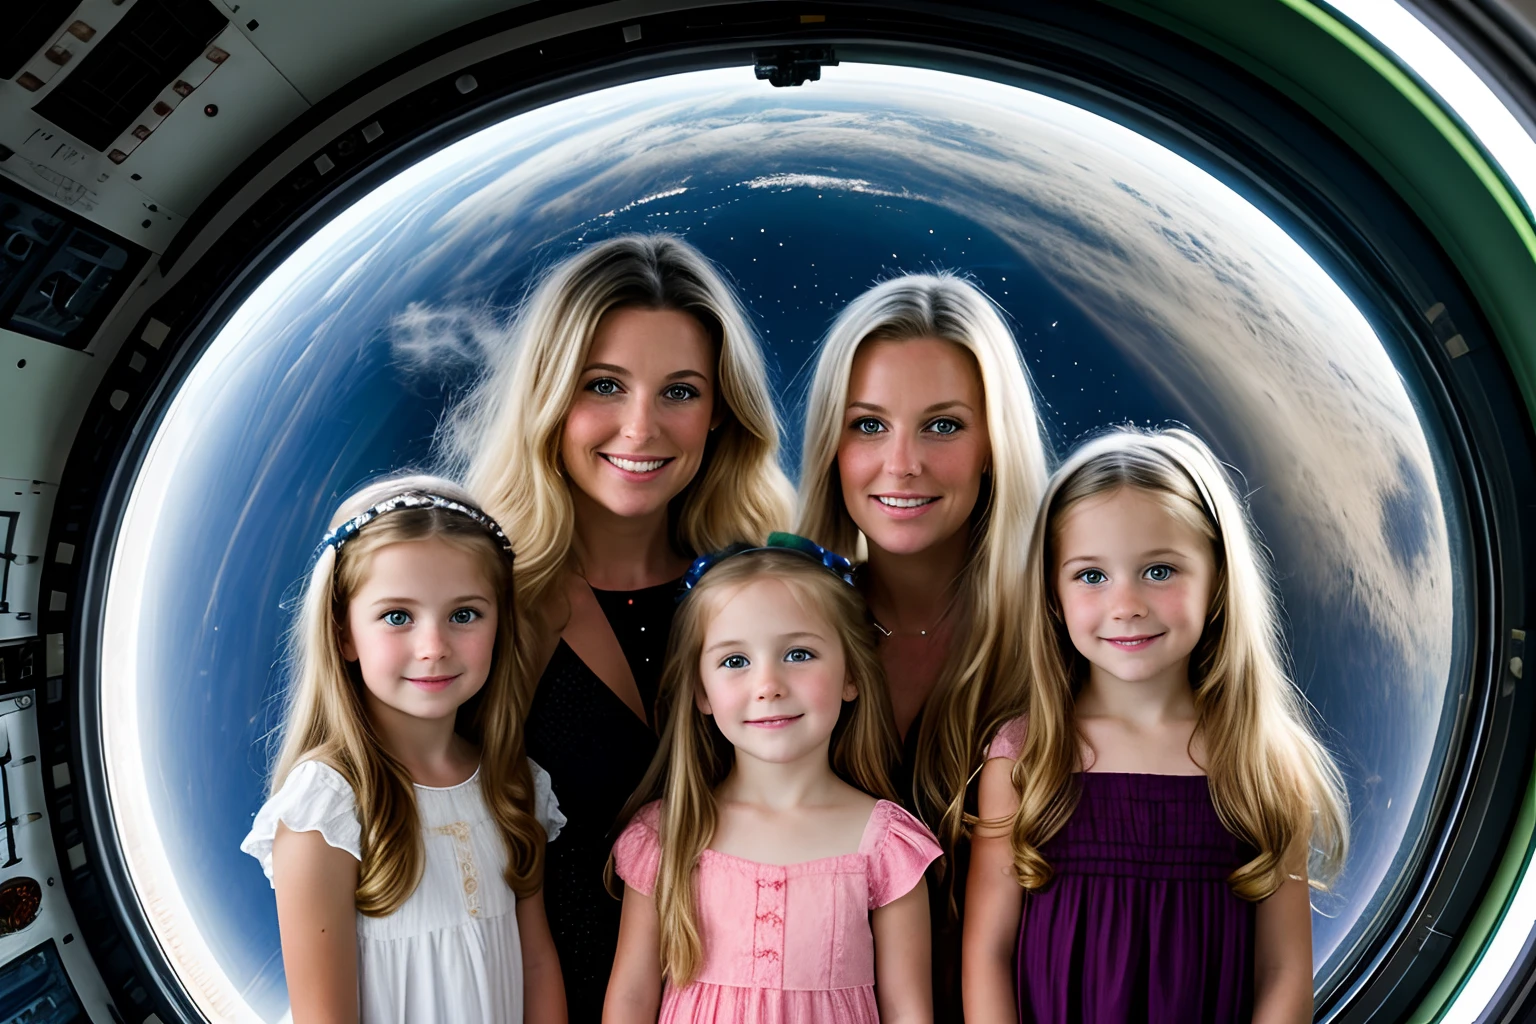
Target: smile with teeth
point(904, 502)
point(635, 465)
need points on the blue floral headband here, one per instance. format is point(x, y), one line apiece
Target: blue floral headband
point(411, 499)
point(831, 560)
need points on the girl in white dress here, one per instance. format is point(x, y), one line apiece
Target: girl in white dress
point(405, 829)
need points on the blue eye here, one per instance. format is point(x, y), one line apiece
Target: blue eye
point(867, 425)
point(945, 426)
point(681, 392)
point(604, 386)
point(799, 654)
point(1092, 577)
point(1159, 573)
point(396, 618)
point(463, 617)
point(735, 661)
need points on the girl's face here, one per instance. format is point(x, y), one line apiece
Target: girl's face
point(1135, 584)
point(645, 402)
point(914, 442)
point(422, 628)
point(772, 673)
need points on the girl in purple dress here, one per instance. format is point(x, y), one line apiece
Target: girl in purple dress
point(1146, 820)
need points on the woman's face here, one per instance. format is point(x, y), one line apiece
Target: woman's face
point(914, 442)
point(645, 402)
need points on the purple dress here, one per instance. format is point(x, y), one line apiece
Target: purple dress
point(1138, 922)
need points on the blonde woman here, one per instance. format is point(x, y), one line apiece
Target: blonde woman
point(630, 429)
point(922, 448)
point(401, 777)
point(1146, 822)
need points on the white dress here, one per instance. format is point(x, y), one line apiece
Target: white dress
point(450, 953)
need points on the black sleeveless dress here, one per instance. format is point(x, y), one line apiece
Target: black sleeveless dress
point(595, 750)
point(946, 883)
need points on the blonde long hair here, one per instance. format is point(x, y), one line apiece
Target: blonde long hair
point(1273, 783)
point(695, 757)
point(987, 653)
point(504, 439)
point(325, 719)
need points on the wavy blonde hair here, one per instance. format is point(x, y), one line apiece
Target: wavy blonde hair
point(987, 652)
point(1273, 783)
point(504, 439)
point(325, 719)
point(695, 757)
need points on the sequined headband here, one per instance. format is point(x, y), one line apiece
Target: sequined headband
point(831, 560)
point(411, 499)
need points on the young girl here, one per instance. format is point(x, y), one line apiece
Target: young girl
point(405, 831)
point(768, 883)
point(1151, 812)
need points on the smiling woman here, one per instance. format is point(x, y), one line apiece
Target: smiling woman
point(635, 432)
point(631, 429)
point(922, 447)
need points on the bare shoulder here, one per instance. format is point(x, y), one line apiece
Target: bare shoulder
point(996, 798)
point(858, 803)
point(305, 859)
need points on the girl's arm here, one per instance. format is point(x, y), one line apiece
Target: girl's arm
point(317, 920)
point(1282, 955)
point(543, 987)
point(634, 987)
point(903, 968)
point(994, 904)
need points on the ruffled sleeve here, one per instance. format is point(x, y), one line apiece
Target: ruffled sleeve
point(901, 853)
point(314, 798)
point(545, 807)
point(637, 854)
point(1008, 741)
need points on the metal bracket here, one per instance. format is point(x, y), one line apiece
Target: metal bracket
point(793, 66)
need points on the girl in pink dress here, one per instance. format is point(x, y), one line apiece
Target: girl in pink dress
point(768, 878)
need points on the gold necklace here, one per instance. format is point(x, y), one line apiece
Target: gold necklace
point(922, 632)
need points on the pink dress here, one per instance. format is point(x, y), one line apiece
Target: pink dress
point(791, 943)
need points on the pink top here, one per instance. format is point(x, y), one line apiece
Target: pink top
point(1008, 741)
point(786, 942)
